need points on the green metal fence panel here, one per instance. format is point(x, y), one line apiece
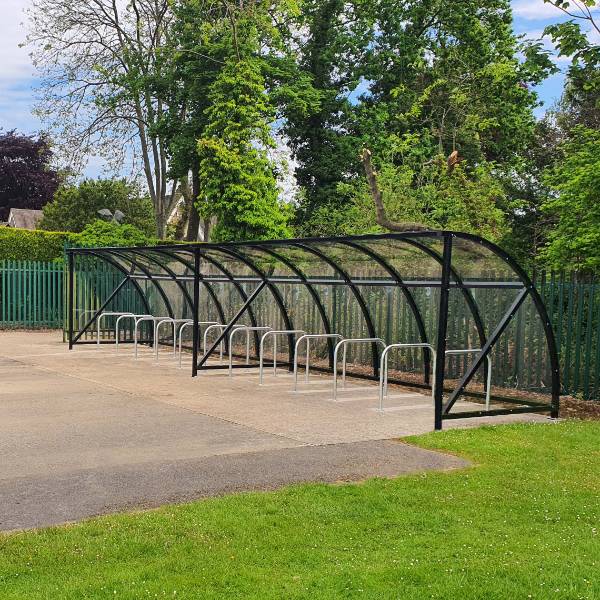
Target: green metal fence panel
point(30, 294)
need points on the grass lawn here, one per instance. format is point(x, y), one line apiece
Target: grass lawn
point(523, 522)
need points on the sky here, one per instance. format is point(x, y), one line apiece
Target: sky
point(18, 78)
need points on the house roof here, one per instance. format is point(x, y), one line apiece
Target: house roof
point(24, 218)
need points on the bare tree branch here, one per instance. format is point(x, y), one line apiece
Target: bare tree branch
point(381, 215)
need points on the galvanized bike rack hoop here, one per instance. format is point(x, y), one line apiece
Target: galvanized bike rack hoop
point(306, 338)
point(261, 353)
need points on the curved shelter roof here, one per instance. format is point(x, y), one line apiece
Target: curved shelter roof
point(453, 290)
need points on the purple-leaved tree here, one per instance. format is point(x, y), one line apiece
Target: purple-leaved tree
point(26, 178)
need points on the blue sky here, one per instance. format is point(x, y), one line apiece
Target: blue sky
point(17, 75)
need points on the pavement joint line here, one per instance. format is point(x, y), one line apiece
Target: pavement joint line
point(401, 407)
point(362, 398)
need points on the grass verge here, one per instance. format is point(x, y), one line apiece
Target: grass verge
point(522, 523)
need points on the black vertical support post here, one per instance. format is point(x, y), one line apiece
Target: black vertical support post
point(440, 366)
point(70, 302)
point(196, 309)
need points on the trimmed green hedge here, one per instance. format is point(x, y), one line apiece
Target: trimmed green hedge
point(21, 244)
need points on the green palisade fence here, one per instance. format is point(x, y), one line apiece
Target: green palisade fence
point(33, 295)
point(574, 310)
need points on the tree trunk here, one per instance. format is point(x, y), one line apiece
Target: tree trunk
point(381, 216)
point(193, 215)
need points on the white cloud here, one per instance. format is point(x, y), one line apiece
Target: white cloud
point(15, 60)
point(16, 71)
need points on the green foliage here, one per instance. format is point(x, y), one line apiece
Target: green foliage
point(103, 233)
point(75, 207)
point(237, 179)
point(21, 244)
point(581, 100)
point(575, 178)
point(449, 78)
point(463, 199)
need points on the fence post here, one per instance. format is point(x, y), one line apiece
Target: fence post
point(70, 302)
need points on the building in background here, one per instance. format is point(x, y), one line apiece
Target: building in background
point(24, 218)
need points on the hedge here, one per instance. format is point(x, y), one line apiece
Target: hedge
point(21, 244)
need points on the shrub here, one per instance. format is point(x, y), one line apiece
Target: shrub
point(21, 244)
point(102, 233)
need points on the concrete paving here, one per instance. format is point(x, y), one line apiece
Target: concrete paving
point(91, 431)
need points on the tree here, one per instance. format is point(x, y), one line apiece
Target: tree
point(99, 61)
point(574, 241)
point(446, 73)
point(198, 47)
point(76, 206)
point(331, 37)
point(237, 180)
point(581, 100)
point(531, 195)
point(26, 178)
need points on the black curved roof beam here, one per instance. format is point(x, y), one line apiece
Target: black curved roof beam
point(272, 287)
point(460, 284)
point(173, 275)
point(149, 276)
point(407, 295)
point(206, 284)
point(315, 296)
point(361, 301)
point(542, 312)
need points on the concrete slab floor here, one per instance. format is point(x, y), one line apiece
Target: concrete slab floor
point(91, 431)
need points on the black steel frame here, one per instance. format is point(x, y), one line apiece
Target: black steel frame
point(129, 262)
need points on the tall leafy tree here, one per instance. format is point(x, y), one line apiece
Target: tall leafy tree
point(574, 241)
point(237, 178)
point(581, 101)
point(207, 36)
point(192, 60)
point(445, 75)
point(330, 40)
point(27, 179)
point(541, 188)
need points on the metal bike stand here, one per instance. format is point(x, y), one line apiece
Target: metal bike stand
point(119, 319)
point(308, 337)
point(489, 371)
point(344, 345)
point(218, 327)
point(108, 314)
point(383, 373)
point(139, 320)
point(262, 348)
point(174, 323)
point(247, 329)
point(181, 329)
